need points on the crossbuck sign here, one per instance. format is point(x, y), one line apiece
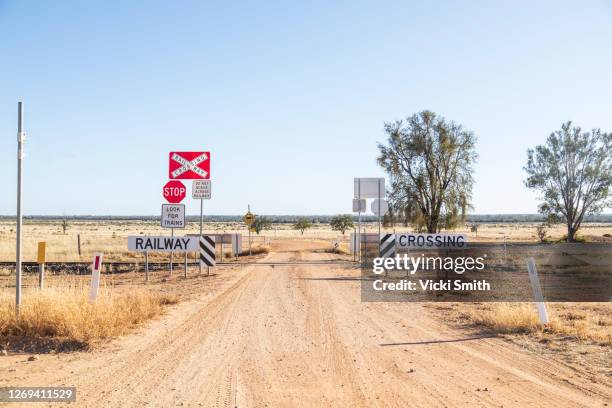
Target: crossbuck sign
point(189, 165)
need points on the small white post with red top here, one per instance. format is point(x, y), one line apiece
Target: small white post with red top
point(95, 278)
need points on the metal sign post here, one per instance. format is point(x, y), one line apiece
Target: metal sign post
point(20, 142)
point(171, 253)
point(378, 216)
point(249, 219)
point(201, 226)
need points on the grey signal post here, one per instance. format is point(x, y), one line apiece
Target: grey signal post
point(20, 142)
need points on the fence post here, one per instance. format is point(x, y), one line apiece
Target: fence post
point(147, 266)
point(185, 272)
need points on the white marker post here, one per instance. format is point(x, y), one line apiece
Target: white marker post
point(537, 291)
point(95, 278)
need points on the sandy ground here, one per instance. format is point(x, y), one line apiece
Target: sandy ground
point(299, 335)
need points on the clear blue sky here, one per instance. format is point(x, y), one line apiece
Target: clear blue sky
point(290, 97)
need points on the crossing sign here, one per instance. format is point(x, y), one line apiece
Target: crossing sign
point(249, 218)
point(189, 165)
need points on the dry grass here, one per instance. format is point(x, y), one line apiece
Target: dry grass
point(339, 251)
point(256, 250)
point(63, 319)
point(586, 323)
point(507, 318)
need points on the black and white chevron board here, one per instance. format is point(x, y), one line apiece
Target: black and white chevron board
point(387, 245)
point(207, 251)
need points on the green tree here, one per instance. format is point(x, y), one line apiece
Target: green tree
point(261, 224)
point(302, 224)
point(573, 173)
point(429, 161)
point(341, 223)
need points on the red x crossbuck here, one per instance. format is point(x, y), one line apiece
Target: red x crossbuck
point(189, 165)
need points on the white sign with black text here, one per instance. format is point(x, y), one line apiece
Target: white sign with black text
point(201, 190)
point(173, 216)
point(431, 241)
point(141, 243)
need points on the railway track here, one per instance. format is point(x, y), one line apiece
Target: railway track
point(84, 268)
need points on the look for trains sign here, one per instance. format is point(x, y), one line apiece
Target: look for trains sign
point(189, 165)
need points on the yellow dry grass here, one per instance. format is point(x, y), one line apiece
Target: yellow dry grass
point(63, 318)
point(256, 250)
point(580, 321)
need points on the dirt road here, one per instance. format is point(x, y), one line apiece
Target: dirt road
point(300, 336)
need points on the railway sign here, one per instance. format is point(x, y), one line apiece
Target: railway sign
point(207, 250)
point(359, 205)
point(141, 243)
point(42, 246)
point(173, 216)
point(189, 165)
point(379, 207)
point(174, 191)
point(249, 218)
point(200, 190)
point(387, 246)
point(369, 187)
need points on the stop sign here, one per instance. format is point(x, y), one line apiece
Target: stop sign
point(174, 191)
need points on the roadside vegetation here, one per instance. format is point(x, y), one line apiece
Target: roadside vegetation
point(579, 321)
point(62, 319)
point(341, 223)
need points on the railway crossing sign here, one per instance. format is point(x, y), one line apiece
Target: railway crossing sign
point(200, 190)
point(189, 165)
point(174, 191)
point(173, 216)
point(207, 250)
point(249, 218)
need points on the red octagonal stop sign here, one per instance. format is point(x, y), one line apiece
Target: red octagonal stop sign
point(174, 191)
